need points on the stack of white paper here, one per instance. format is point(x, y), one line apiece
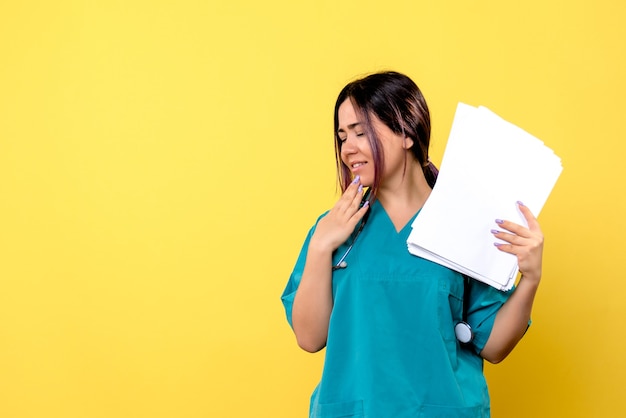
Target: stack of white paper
point(489, 164)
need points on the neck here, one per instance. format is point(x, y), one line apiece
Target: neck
point(404, 196)
point(408, 191)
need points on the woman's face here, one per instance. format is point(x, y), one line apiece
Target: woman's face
point(356, 152)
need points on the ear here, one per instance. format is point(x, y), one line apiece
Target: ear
point(407, 142)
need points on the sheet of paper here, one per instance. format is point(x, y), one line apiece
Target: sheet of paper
point(488, 165)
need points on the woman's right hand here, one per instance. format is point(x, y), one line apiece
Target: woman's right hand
point(313, 302)
point(335, 228)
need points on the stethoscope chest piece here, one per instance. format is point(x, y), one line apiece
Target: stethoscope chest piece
point(463, 332)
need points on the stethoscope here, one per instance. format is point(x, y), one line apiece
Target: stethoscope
point(342, 264)
point(462, 330)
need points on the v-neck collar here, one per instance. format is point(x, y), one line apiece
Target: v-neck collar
point(406, 226)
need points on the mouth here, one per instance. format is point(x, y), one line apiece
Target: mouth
point(357, 164)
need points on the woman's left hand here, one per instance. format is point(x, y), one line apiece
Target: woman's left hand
point(524, 243)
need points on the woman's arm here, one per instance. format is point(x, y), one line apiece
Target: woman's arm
point(313, 302)
point(512, 319)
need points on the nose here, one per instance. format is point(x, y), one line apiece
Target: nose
point(349, 145)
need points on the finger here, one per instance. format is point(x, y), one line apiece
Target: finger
point(353, 195)
point(506, 248)
point(531, 220)
point(528, 257)
point(360, 213)
point(355, 204)
point(510, 238)
point(514, 228)
point(534, 239)
point(346, 200)
point(353, 190)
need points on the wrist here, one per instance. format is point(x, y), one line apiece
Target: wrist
point(319, 247)
point(530, 279)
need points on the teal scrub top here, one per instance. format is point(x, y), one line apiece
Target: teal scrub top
point(391, 349)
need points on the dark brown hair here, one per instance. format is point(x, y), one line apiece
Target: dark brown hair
point(398, 103)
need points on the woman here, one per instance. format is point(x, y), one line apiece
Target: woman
point(387, 317)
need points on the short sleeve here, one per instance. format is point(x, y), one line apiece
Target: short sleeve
point(485, 302)
point(296, 275)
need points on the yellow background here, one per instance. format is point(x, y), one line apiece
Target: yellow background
point(161, 162)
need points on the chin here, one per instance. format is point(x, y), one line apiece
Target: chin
point(366, 179)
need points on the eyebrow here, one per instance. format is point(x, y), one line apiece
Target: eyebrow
point(350, 127)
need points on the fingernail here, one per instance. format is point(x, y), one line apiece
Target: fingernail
point(367, 203)
point(497, 244)
point(356, 179)
point(520, 203)
point(360, 188)
point(499, 221)
point(494, 231)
